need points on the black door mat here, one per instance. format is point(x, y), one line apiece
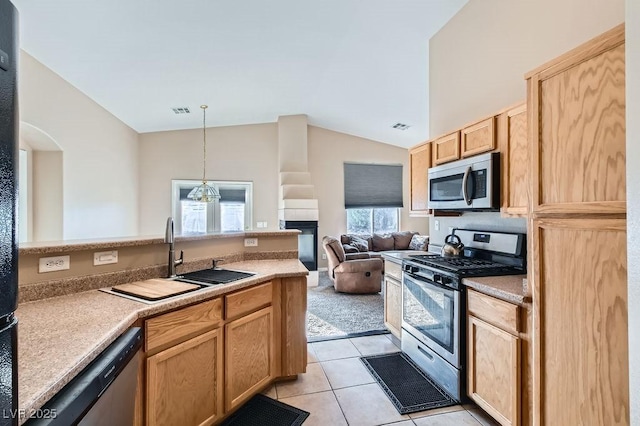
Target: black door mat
point(264, 411)
point(408, 387)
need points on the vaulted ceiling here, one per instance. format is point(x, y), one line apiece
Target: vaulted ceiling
point(354, 66)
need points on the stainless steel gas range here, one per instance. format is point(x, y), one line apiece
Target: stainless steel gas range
point(433, 301)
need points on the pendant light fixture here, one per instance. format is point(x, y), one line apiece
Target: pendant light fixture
point(204, 193)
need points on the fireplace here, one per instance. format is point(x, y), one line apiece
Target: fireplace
point(307, 241)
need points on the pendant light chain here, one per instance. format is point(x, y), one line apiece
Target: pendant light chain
point(204, 143)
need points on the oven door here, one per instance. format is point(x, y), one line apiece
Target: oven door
point(431, 313)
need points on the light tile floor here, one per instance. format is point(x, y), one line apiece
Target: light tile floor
point(338, 390)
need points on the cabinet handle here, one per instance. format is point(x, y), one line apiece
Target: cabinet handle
point(427, 354)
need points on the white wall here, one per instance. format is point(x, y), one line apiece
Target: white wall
point(633, 199)
point(100, 153)
point(477, 61)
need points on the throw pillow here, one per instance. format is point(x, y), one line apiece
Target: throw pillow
point(360, 243)
point(348, 248)
point(419, 242)
point(382, 242)
point(402, 239)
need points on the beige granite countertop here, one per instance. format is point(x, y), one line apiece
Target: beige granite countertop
point(509, 288)
point(59, 336)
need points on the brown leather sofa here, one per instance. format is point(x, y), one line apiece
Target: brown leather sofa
point(352, 276)
point(367, 245)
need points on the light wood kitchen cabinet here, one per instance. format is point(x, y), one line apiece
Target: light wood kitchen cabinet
point(420, 161)
point(515, 170)
point(446, 148)
point(494, 357)
point(478, 138)
point(201, 365)
point(579, 265)
point(580, 294)
point(250, 356)
point(184, 382)
point(393, 297)
point(577, 105)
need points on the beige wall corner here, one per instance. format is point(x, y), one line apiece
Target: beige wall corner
point(100, 160)
point(292, 143)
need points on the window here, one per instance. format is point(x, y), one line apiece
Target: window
point(372, 220)
point(232, 212)
point(372, 196)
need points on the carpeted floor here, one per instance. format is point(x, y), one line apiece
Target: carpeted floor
point(331, 314)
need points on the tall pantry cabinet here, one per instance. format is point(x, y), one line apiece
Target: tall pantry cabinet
point(576, 107)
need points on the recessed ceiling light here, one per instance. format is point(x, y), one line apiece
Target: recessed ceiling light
point(181, 110)
point(400, 126)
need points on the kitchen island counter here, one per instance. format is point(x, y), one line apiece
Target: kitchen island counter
point(60, 336)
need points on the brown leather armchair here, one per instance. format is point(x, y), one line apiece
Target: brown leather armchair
point(352, 276)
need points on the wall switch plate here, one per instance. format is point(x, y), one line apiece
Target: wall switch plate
point(436, 224)
point(105, 257)
point(251, 242)
point(261, 224)
point(324, 256)
point(51, 264)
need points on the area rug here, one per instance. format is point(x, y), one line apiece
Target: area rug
point(332, 315)
point(408, 387)
point(264, 411)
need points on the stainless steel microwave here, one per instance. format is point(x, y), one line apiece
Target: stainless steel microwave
point(469, 184)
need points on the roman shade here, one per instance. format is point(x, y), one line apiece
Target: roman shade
point(372, 185)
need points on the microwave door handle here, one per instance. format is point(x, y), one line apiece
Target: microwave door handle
point(465, 180)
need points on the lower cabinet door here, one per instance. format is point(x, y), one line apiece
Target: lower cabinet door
point(393, 306)
point(184, 382)
point(250, 356)
point(494, 371)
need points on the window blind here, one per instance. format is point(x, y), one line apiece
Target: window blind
point(372, 185)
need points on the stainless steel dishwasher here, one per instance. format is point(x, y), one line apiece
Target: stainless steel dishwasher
point(103, 393)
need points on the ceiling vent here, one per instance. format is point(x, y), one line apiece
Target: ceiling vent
point(401, 126)
point(181, 110)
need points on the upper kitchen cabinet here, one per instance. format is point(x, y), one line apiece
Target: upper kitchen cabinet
point(514, 146)
point(577, 133)
point(420, 161)
point(478, 138)
point(446, 148)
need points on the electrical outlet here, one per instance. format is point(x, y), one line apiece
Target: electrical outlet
point(251, 242)
point(261, 225)
point(324, 256)
point(51, 264)
point(436, 224)
point(105, 257)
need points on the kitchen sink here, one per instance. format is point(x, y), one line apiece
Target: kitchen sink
point(203, 279)
point(213, 276)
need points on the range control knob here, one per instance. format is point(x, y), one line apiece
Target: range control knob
point(442, 279)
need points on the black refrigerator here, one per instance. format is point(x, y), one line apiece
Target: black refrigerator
point(8, 207)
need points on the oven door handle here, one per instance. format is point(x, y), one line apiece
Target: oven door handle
point(465, 181)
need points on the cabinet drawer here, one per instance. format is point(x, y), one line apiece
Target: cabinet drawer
point(393, 270)
point(501, 314)
point(245, 301)
point(183, 324)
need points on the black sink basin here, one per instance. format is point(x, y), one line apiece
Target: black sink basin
point(213, 276)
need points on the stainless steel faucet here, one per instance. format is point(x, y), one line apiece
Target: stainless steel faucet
point(169, 239)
